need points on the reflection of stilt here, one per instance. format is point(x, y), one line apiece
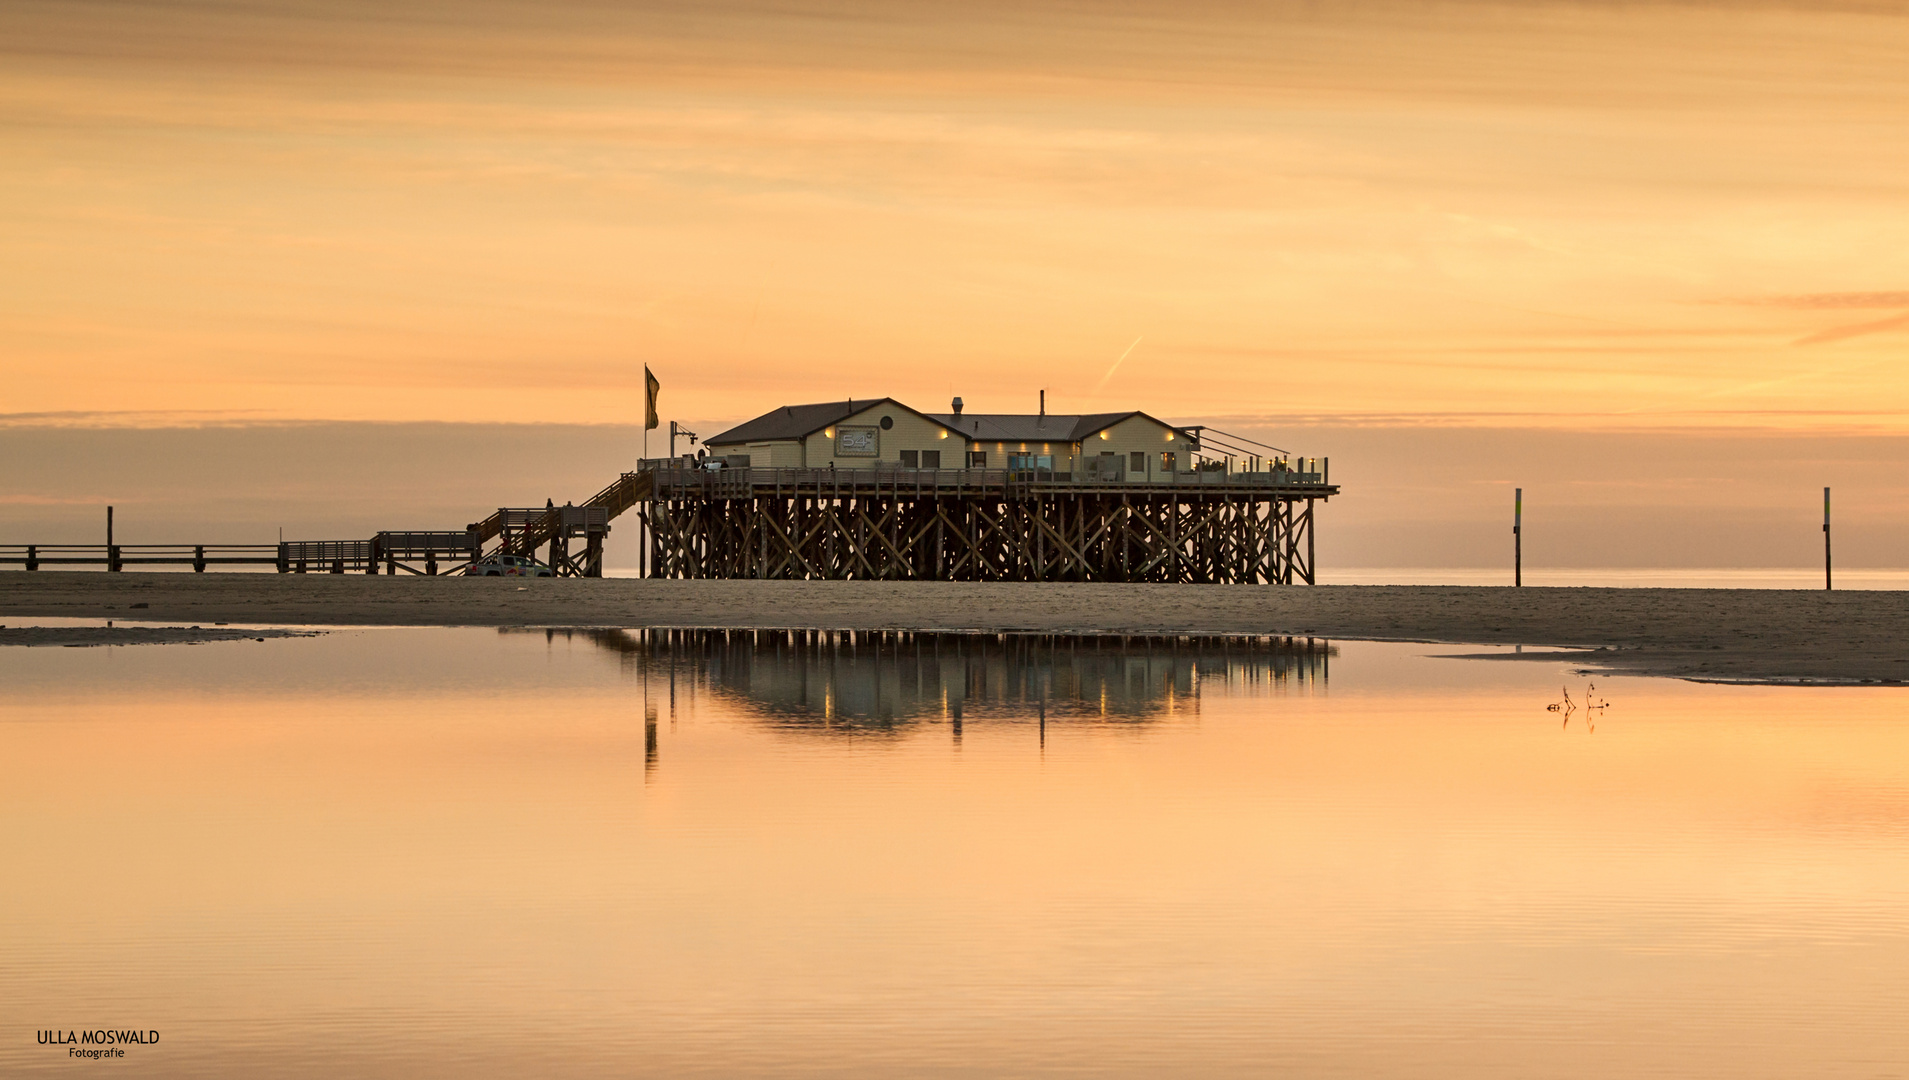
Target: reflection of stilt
point(647, 640)
point(949, 705)
point(649, 741)
point(1042, 677)
point(860, 682)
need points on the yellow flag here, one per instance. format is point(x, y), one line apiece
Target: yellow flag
point(650, 389)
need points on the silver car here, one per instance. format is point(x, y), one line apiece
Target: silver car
point(510, 566)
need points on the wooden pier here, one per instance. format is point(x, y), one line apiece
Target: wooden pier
point(981, 525)
point(978, 524)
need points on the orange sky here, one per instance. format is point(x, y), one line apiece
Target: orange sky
point(1632, 215)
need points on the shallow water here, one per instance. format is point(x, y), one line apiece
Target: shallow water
point(468, 852)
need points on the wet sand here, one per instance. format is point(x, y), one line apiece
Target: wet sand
point(1759, 635)
point(74, 637)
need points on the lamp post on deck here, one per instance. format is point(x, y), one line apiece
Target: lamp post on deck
point(675, 430)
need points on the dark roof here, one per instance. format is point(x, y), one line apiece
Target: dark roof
point(1012, 427)
point(792, 422)
point(801, 421)
point(1033, 427)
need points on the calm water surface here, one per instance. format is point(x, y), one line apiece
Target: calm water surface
point(470, 853)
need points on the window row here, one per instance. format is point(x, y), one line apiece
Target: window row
point(978, 459)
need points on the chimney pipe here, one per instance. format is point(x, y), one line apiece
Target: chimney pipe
point(1043, 404)
point(957, 406)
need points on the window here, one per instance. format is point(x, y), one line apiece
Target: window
point(977, 459)
point(911, 459)
point(1167, 461)
point(931, 459)
point(1137, 461)
point(887, 422)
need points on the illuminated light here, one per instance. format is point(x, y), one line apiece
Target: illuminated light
point(1169, 436)
point(1046, 449)
point(828, 433)
point(1107, 434)
point(942, 434)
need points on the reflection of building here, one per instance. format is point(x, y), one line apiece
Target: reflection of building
point(879, 681)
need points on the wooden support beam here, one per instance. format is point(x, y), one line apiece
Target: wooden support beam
point(906, 527)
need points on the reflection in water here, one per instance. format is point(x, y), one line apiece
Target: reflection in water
point(1593, 706)
point(879, 682)
point(414, 854)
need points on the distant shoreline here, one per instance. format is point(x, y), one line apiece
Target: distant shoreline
point(1730, 635)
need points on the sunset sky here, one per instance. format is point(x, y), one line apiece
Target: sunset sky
point(1628, 217)
point(501, 211)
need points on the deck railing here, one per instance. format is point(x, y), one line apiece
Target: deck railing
point(675, 478)
point(114, 556)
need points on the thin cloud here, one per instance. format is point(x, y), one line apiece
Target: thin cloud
point(1844, 333)
point(138, 418)
point(1828, 300)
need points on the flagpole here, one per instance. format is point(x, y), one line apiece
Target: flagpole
point(651, 388)
point(642, 523)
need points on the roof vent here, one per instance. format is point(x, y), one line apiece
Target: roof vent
point(957, 406)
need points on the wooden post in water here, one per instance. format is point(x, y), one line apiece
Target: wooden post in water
point(1518, 538)
point(1826, 564)
point(112, 553)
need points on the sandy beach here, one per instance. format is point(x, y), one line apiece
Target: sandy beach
point(1742, 634)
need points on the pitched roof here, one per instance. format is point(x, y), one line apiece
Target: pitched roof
point(792, 422)
point(1033, 427)
point(801, 421)
point(1011, 427)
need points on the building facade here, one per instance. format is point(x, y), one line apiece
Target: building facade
point(884, 433)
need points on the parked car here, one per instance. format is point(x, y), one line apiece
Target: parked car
point(510, 566)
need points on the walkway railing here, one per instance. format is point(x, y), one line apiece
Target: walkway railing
point(114, 556)
point(674, 479)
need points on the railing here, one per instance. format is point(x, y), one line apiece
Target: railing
point(674, 480)
point(114, 556)
point(424, 545)
point(324, 556)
